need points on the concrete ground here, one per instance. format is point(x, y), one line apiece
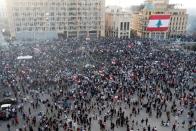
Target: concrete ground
point(153, 121)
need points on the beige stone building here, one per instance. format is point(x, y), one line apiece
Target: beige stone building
point(48, 19)
point(3, 18)
point(177, 24)
point(117, 23)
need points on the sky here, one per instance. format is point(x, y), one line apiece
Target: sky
point(127, 3)
point(2, 3)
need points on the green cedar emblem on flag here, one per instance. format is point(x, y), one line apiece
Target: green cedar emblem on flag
point(159, 23)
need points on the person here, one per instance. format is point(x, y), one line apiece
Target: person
point(30, 128)
point(112, 126)
point(162, 123)
point(149, 128)
point(146, 121)
point(183, 123)
point(174, 127)
point(8, 127)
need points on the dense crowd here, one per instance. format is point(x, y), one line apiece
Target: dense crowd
point(107, 80)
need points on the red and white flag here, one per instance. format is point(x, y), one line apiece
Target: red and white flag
point(158, 23)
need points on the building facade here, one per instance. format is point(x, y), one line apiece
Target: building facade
point(48, 19)
point(3, 18)
point(117, 23)
point(177, 24)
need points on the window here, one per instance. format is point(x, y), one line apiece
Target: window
point(17, 29)
point(121, 26)
point(52, 13)
point(127, 25)
point(30, 28)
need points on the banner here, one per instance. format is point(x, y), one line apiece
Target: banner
point(158, 23)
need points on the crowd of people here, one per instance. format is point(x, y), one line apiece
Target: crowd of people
point(106, 84)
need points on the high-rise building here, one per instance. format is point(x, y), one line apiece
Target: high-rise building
point(48, 19)
point(175, 25)
point(3, 17)
point(117, 22)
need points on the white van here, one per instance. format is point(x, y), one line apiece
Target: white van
point(5, 106)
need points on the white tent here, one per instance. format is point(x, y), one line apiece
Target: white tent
point(24, 57)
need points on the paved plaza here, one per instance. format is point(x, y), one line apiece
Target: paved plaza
point(99, 85)
point(153, 121)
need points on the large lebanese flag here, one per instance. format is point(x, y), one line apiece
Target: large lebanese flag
point(158, 23)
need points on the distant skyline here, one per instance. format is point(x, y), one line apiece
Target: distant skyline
point(127, 3)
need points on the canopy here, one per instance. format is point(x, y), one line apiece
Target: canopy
point(24, 57)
